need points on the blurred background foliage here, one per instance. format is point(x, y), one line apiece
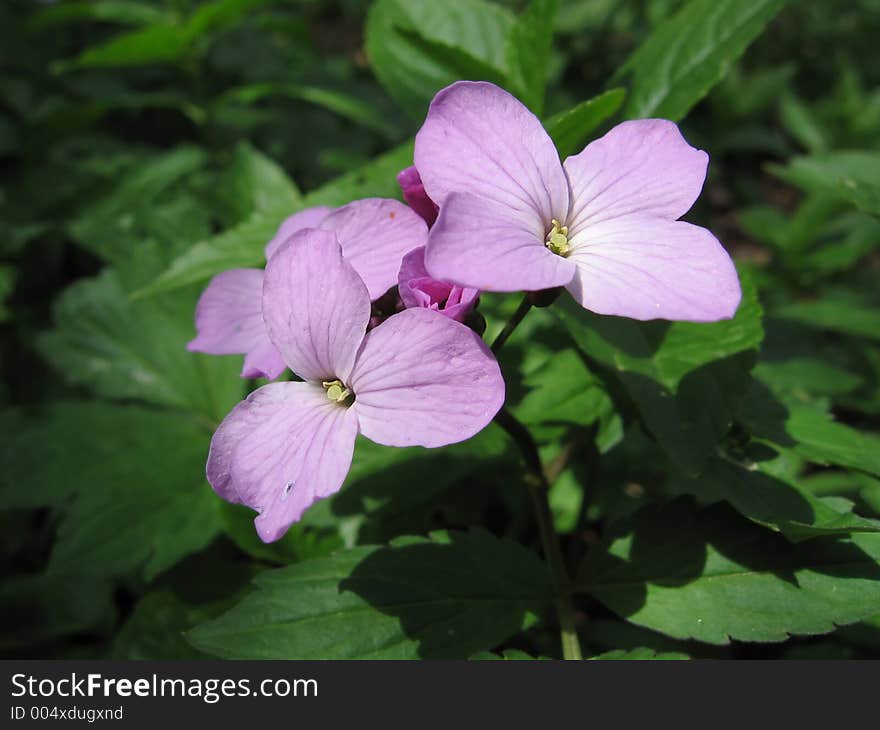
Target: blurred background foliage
point(146, 146)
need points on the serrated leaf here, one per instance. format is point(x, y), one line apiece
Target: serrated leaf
point(445, 597)
point(686, 55)
point(712, 576)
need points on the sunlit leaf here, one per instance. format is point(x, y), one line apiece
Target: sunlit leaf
point(689, 53)
point(711, 576)
point(444, 597)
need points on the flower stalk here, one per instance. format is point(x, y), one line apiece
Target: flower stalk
point(539, 487)
point(521, 311)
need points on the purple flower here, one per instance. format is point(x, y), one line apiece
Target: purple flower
point(375, 234)
point(604, 224)
point(414, 194)
point(418, 289)
point(416, 379)
point(308, 218)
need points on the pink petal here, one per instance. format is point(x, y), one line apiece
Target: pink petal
point(479, 139)
point(263, 360)
point(229, 321)
point(425, 380)
point(308, 218)
point(418, 289)
point(478, 243)
point(649, 268)
point(375, 233)
point(315, 306)
point(280, 451)
point(643, 166)
point(415, 196)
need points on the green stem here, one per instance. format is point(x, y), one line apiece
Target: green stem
point(522, 310)
point(538, 486)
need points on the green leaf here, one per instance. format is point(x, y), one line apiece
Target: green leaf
point(445, 597)
point(810, 433)
point(160, 43)
point(836, 311)
point(711, 576)
point(804, 378)
point(166, 41)
point(377, 501)
point(260, 183)
point(300, 542)
point(559, 388)
point(685, 379)
point(665, 351)
point(123, 349)
point(782, 505)
point(135, 477)
point(416, 47)
point(843, 242)
point(119, 221)
point(8, 275)
point(569, 129)
point(852, 176)
point(243, 245)
point(345, 105)
point(506, 655)
point(802, 123)
point(685, 56)
point(217, 15)
point(529, 51)
point(125, 12)
point(155, 630)
point(640, 654)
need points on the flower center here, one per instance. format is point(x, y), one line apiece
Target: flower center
point(338, 392)
point(557, 239)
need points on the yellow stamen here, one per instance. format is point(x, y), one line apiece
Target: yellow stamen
point(337, 392)
point(557, 239)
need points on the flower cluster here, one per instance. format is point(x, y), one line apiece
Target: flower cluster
point(369, 304)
